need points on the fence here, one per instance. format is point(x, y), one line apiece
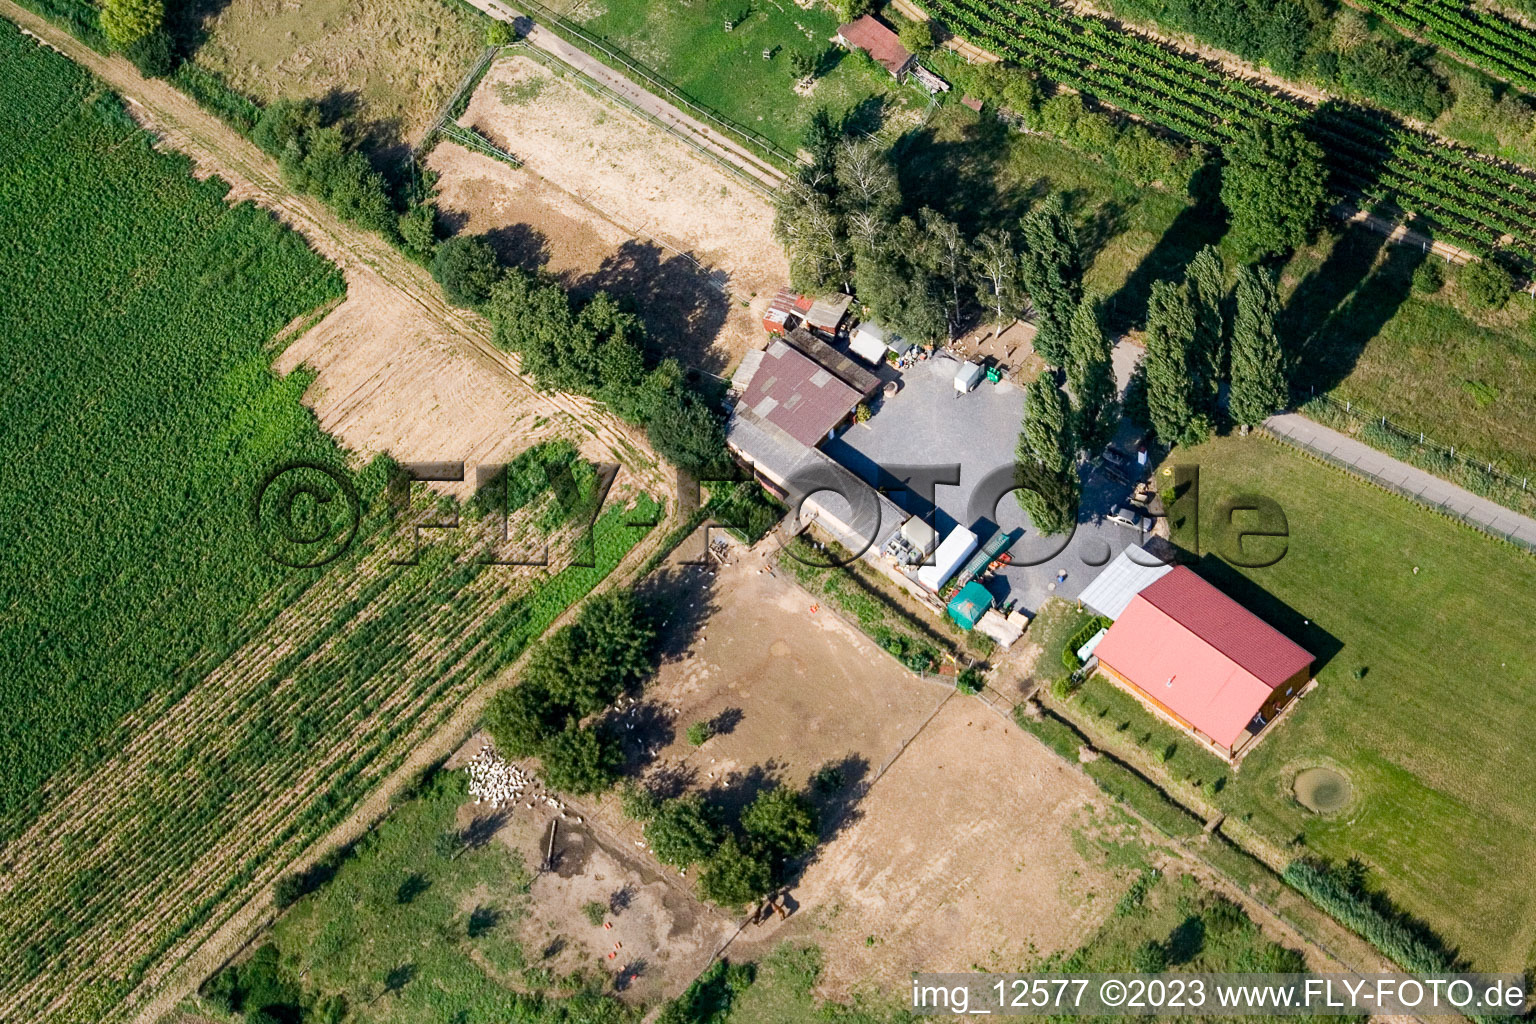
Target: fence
point(776, 157)
point(471, 139)
point(1481, 477)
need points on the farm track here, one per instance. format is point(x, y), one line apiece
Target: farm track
point(143, 874)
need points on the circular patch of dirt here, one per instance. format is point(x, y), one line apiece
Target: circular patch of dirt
point(1322, 790)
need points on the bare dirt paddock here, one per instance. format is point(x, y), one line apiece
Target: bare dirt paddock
point(606, 201)
point(968, 848)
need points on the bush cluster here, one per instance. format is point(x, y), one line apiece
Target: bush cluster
point(324, 160)
point(739, 865)
point(574, 674)
point(593, 347)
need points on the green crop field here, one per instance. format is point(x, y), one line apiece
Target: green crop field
point(182, 714)
point(1422, 630)
point(689, 46)
point(139, 414)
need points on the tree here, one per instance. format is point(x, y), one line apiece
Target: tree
point(916, 35)
point(733, 876)
point(947, 247)
point(1091, 378)
point(128, 21)
point(687, 433)
point(1171, 400)
point(418, 230)
point(153, 55)
point(498, 33)
point(809, 225)
point(579, 761)
point(1207, 293)
point(1051, 265)
point(683, 831)
point(1050, 499)
point(783, 822)
point(613, 626)
point(1046, 463)
point(996, 263)
point(801, 65)
point(1258, 368)
point(1047, 435)
point(466, 268)
point(1273, 187)
point(1151, 957)
point(522, 718)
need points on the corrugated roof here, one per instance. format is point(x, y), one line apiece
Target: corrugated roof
point(874, 38)
point(1227, 626)
point(845, 369)
point(1121, 580)
point(1200, 654)
point(797, 395)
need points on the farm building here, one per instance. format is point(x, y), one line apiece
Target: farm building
point(875, 38)
point(790, 309)
point(787, 388)
point(871, 342)
point(846, 370)
point(1203, 660)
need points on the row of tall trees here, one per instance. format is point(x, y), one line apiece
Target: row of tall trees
point(1199, 335)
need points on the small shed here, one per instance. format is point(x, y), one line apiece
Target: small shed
point(920, 535)
point(968, 376)
point(949, 556)
point(826, 315)
point(877, 39)
point(865, 344)
point(970, 604)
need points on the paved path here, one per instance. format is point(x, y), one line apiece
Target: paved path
point(1399, 476)
point(712, 139)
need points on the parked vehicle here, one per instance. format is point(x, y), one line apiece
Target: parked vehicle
point(1127, 515)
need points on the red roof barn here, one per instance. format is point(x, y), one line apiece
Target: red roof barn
point(875, 38)
point(1203, 659)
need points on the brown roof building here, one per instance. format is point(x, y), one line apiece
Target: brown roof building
point(794, 393)
point(875, 38)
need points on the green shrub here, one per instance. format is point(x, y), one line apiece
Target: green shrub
point(735, 876)
point(466, 269)
point(498, 33)
point(594, 911)
point(1428, 277)
point(683, 831)
point(969, 680)
point(698, 733)
point(1484, 285)
point(1341, 893)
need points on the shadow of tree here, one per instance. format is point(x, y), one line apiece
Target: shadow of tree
point(726, 722)
point(481, 920)
point(519, 245)
point(681, 304)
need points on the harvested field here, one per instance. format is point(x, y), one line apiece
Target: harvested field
point(393, 63)
point(962, 854)
point(613, 203)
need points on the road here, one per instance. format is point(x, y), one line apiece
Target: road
point(712, 139)
point(1423, 487)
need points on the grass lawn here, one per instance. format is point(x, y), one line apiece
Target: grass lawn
point(1360, 330)
point(414, 927)
point(687, 45)
point(1433, 734)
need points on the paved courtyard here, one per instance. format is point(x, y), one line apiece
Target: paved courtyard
point(928, 425)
